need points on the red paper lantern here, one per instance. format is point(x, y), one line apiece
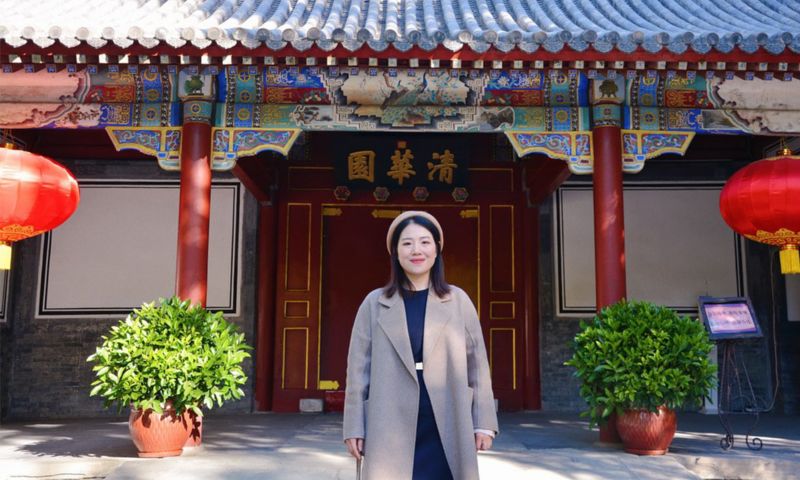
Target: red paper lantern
point(762, 202)
point(36, 195)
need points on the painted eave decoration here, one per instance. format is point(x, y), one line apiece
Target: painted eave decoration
point(666, 26)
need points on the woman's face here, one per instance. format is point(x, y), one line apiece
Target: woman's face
point(416, 251)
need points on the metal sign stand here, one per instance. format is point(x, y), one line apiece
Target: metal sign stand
point(736, 397)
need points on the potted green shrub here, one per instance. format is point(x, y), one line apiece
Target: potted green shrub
point(163, 362)
point(642, 361)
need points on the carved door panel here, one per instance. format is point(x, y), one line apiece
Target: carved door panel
point(296, 306)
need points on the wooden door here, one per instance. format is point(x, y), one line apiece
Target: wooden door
point(355, 261)
point(331, 255)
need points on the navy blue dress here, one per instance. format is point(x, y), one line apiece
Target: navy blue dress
point(430, 462)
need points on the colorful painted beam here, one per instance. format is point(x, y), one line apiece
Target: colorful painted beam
point(402, 118)
point(416, 99)
point(399, 99)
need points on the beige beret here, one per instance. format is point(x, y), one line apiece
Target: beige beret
point(413, 213)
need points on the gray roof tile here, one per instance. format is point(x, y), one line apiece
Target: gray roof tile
point(653, 26)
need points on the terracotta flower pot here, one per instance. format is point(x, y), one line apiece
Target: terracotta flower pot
point(159, 435)
point(608, 430)
point(647, 433)
point(196, 430)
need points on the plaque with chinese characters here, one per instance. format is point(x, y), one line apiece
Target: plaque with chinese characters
point(438, 162)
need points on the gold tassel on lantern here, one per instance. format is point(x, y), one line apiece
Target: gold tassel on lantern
point(790, 259)
point(5, 256)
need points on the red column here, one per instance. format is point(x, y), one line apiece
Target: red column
point(531, 398)
point(193, 215)
point(609, 225)
point(265, 364)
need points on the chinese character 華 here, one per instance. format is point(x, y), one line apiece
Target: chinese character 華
point(401, 168)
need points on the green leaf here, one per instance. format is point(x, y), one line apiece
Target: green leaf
point(640, 355)
point(170, 350)
point(96, 390)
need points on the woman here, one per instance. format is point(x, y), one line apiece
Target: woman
point(419, 400)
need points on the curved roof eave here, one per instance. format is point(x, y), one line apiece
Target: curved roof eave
point(605, 26)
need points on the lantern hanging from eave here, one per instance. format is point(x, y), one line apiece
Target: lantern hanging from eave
point(762, 202)
point(36, 195)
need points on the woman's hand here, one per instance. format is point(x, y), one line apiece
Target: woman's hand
point(355, 446)
point(482, 441)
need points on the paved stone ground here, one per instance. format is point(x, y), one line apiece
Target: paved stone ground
point(538, 446)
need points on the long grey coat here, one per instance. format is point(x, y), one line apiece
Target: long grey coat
point(382, 396)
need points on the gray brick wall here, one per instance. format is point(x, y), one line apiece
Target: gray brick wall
point(43, 361)
point(768, 293)
point(559, 386)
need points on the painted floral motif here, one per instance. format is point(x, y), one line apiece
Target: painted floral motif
point(413, 116)
point(120, 114)
point(150, 139)
point(655, 142)
point(222, 139)
point(172, 143)
point(556, 143)
point(294, 77)
point(248, 139)
point(532, 98)
point(629, 144)
point(583, 144)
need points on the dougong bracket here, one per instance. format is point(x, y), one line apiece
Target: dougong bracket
point(641, 145)
point(228, 144)
point(576, 147)
point(573, 147)
point(164, 143)
point(231, 143)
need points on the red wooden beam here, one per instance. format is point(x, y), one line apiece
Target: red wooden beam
point(245, 175)
point(542, 176)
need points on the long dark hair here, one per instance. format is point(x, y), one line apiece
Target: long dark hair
point(398, 281)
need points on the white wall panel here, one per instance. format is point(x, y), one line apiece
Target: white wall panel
point(119, 249)
point(677, 246)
